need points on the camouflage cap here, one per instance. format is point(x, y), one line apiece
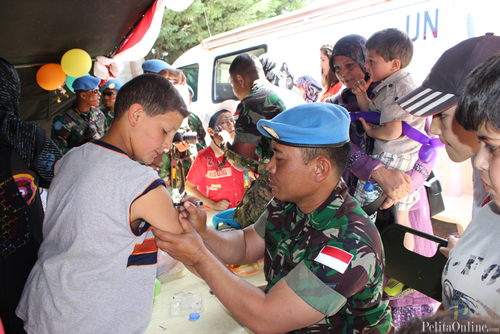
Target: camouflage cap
point(309, 125)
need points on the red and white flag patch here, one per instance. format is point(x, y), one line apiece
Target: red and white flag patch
point(334, 258)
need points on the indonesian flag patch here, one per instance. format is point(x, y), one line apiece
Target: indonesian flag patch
point(334, 258)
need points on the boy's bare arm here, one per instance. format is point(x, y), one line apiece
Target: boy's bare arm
point(157, 209)
point(388, 131)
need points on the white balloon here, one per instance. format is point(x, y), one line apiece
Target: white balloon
point(178, 5)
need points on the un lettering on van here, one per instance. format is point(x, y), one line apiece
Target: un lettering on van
point(413, 25)
point(214, 174)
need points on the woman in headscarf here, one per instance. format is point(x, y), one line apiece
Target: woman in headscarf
point(331, 84)
point(27, 158)
point(347, 61)
point(309, 88)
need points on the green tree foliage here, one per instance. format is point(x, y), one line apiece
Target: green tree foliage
point(183, 30)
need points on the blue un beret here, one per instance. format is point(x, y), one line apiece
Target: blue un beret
point(309, 125)
point(86, 82)
point(112, 84)
point(155, 65)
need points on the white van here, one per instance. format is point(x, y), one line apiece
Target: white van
point(296, 37)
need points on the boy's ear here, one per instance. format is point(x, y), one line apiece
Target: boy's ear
point(135, 112)
point(395, 64)
point(210, 131)
point(241, 80)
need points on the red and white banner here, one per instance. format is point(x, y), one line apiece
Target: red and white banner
point(334, 258)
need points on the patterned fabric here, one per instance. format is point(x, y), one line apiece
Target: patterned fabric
point(109, 116)
point(180, 161)
point(347, 99)
point(352, 46)
point(278, 75)
point(353, 300)
point(73, 128)
point(257, 196)
point(404, 314)
point(196, 125)
point(310, 86)
point(265, 101)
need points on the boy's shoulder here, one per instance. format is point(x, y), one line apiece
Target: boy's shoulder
point(399, 83)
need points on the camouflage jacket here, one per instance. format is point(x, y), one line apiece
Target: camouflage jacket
point(195, 124)
point(256, 197)
point(73, 128)
point(109, 115)
point(182, 162)
point(265, 101)
point(332, 258)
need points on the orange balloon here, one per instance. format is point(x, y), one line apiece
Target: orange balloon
point(50, 76)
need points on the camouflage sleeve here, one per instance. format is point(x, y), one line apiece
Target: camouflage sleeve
point(260, 224)
point(98, 121)
point(246, 125)
point(360, 276)
point(258, 167)
point(61, 132)
point(196, 125)
point(314, 291)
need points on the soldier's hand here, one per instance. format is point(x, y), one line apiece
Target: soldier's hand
point(196, 215)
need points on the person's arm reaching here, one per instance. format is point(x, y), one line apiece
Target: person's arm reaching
point(280, 310)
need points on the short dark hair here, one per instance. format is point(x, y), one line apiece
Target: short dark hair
point(156, 94)
point(338, 156)
point(480, 100)
point(392, 44)
point(247, 65)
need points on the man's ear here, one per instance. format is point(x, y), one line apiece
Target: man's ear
point(323, 169)
point(135, 113)
point(210, 131)
point(395, 64)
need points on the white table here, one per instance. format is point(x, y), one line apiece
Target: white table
point(214, 318)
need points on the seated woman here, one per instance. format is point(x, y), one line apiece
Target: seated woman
point(219, 187)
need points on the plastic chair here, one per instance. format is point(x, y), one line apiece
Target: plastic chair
point(414, 270)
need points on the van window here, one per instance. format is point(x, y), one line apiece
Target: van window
point(221, 89)
point(191, 72)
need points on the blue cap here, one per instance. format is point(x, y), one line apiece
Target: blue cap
point(86, 82)
point(155, 65)
point(309, 125)
point(114, 84)
point(194, 316)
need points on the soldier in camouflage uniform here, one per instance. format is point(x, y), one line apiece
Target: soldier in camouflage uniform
point(109, 92)
point(259, 100)
point(323, 257)
point(83, 121)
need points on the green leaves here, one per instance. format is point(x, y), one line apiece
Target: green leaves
point(183, 30)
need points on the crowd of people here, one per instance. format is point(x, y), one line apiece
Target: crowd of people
point(290, 162)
